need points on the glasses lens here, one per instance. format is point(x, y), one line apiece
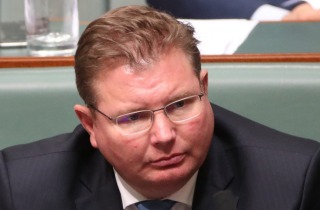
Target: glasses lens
point(135, 122)
point(184, 109)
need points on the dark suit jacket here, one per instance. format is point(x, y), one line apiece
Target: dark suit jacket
point(217, 9)
point(249, 167)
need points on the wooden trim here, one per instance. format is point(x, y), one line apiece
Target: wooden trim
point(263, 58)
point(27, 62)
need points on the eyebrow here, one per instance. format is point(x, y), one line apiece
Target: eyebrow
point(180, 96)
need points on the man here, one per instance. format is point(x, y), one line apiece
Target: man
point(262, 10)
point(149, 133)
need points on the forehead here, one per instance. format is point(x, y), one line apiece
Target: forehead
point(170, 61)
point(171, 75)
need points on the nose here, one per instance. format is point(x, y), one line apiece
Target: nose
point(162, 130)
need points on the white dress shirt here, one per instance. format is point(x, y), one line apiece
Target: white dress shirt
point(184, 196)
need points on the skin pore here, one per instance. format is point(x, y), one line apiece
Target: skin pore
point(158, 162)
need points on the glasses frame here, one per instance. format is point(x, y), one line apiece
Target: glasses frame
point(115, 119)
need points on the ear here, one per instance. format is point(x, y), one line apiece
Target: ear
point(87, 120)
point(204, 80)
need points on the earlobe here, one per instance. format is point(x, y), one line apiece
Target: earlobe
point(85, 117)
point(204, 81)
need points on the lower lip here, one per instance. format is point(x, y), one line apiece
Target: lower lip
point(175, 160)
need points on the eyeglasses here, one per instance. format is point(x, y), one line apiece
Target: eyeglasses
point(178, 111)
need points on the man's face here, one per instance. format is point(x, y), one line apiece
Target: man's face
point(162, 159)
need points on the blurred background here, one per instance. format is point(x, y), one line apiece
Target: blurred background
point(11, 10)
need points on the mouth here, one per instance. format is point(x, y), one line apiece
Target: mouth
point(170, 161)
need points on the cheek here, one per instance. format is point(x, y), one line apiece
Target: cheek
point(119, 150)
point(198, 134)
point(199, 127)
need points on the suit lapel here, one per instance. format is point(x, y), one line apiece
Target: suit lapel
point(224, 200)
point(215, 181)
point(98, 189)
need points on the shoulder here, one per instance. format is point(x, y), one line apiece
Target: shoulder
point(264, 160)
point(47, 169)
point(58, 156)
point(77, 141)
point(258, 154)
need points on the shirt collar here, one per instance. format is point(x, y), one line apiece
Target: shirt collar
point(130, 196)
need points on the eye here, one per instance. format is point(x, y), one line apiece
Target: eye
point(179, 104)
point(128, 118)
point(175, 106)
point(133, 117)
